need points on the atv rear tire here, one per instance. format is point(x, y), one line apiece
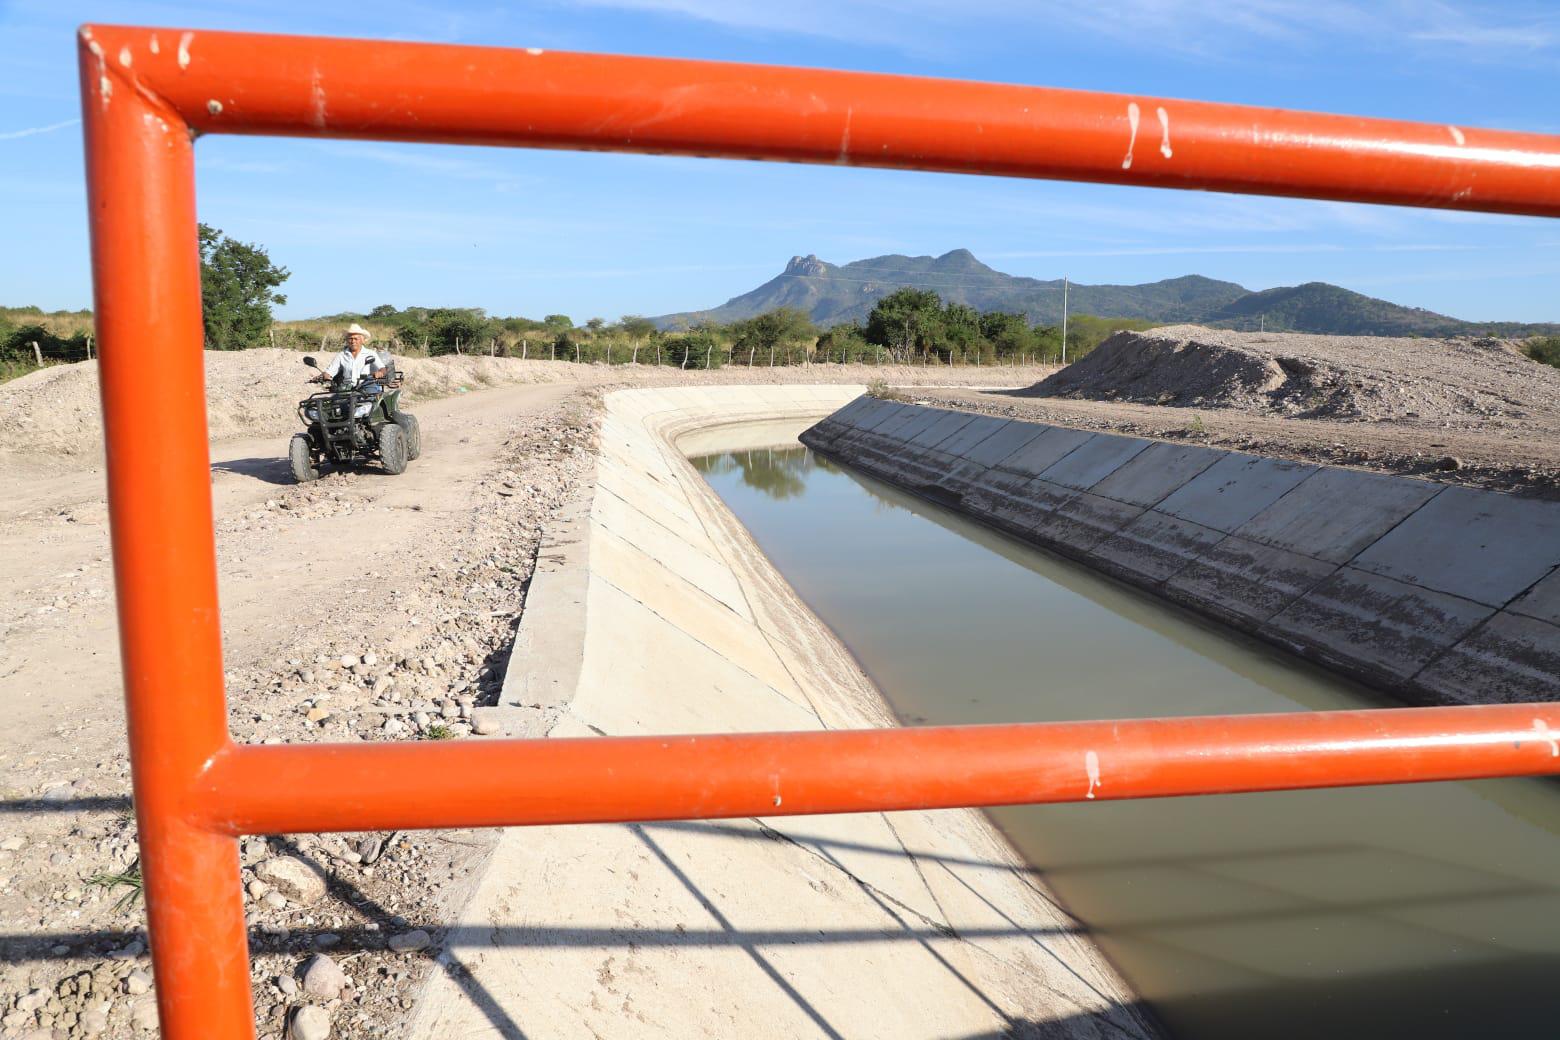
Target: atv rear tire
point(408, 424)
point(392, 448)
point(302, 459)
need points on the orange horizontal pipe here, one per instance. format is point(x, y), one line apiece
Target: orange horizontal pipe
point(261, 84)
point(271, 789)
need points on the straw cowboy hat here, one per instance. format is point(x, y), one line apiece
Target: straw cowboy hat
point(357, 330)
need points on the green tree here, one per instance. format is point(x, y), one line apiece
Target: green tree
point(844, 343)
point(637, 328)
point(905, 321)
point(558, 323)
point(238, 285)
point(765, 332)
point(384, 310)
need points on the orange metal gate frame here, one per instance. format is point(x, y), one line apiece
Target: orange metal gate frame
point(148, 93)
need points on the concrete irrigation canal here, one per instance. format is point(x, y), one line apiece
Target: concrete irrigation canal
point(1418, 910)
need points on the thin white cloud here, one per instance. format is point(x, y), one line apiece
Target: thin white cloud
point(30, 131)
point(1186, 26)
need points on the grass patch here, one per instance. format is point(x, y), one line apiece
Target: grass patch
point(438, 731)
point(880, 388)
point(130, 880)
point(1545, 350)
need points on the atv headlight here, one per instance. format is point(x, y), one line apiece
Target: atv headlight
point(362, 409)
point(312, 414)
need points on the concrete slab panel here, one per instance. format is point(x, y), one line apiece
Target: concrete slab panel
point(1004, 442)
point(1374, 623)
point(1481, 546)
point(1095, 459)
point(1335, 513)
point(1246, 581)
point(1083, 521)
point(1011, 502)
point(1153, 547)
point(945, 427)
point(979, 428)
point(689, 608)
point(1040, 454)
point(695, 562)
point(1156, 472)
point(882, 412)
point(1233, 490)
point(1508, 659)
point(1542, 601)
point(918, 420)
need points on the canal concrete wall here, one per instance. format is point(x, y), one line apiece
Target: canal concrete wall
point(1439, 594)
point(652, 611)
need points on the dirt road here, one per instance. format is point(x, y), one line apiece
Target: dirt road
point(427, 593)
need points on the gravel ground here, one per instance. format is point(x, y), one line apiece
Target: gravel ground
point(406, 639)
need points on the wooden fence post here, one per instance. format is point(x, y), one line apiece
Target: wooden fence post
point(37, 353)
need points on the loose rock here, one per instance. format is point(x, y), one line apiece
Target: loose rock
point(292, 878)
point(324, 978)
point(410, 942)
point(309, 1023)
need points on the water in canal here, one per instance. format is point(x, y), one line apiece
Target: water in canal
point(1422, 911)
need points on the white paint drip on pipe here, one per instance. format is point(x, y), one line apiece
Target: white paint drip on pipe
point(317, 99)
point(534, 51)
point(105, 88)
point(1091, 765)
point(184, 49)
point(124, 56)
point(1457, 135)
point(845, 138)
point(156, 48)
point(1133, 115)
point(1164, 122)
point(1542, 729)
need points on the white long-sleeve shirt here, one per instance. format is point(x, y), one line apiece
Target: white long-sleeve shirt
point(364, 361)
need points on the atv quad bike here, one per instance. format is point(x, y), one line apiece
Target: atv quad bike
point(351, 425)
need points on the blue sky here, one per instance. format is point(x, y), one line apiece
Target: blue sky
point(523, 232)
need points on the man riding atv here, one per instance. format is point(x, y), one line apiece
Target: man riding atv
point(359, 419)
point(355, 359)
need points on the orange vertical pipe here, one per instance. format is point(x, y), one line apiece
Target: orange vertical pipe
point(146, 278)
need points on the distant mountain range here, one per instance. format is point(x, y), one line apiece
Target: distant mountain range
point(836, 293)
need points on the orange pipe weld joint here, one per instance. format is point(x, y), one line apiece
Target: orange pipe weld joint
point(147, 93)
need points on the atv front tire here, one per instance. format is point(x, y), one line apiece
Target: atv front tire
point(408, 424)
point(302, 459)
point(392, 448)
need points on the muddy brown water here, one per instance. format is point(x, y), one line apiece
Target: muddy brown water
point(1426, 910)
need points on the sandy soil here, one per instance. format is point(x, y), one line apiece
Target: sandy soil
point(1472, 412)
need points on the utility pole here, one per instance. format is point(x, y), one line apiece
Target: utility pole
point(1064, 319)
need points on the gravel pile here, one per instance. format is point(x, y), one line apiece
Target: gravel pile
point(1456, 382)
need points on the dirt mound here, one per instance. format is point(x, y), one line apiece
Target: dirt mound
point(1456, 382)
point(249, 393)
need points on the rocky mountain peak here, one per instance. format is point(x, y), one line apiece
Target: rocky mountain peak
point(807, 266)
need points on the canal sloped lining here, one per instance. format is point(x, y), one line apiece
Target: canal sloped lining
point(1438, 594)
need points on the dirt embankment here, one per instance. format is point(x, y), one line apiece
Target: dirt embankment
point(1451, 383)
point(254, 393)
point(1472, 412)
